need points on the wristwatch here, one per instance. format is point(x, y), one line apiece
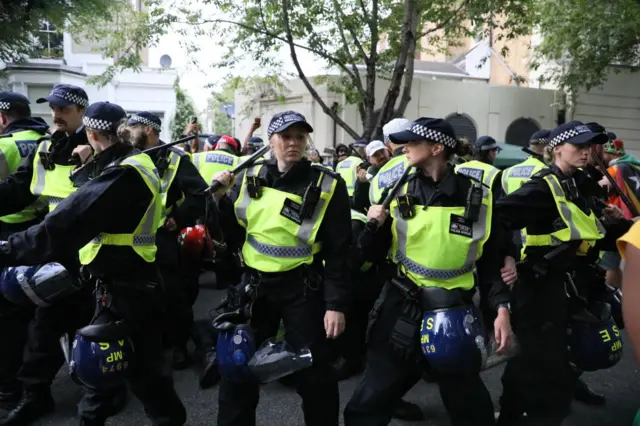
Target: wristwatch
point(505, 305)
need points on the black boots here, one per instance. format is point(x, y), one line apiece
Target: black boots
point(205, 346)
point(31, 407)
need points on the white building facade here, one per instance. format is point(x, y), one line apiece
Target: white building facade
point(475, 108)
point(151, 89)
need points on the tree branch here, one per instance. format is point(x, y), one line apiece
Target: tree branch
point(409, 30)
point(358, 81)
point(365, 14)
point(369, 122)
point(303, 77)
point(408, 73)
point(267, 33)
point(444, 23)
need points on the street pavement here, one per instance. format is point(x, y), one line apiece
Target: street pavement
point(280, 406)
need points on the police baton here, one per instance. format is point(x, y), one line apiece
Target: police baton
point(217, 185)
point(614, 185)
point(392, 193)
point(167, 145)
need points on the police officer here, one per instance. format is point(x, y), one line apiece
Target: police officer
point(377, 155)
point(425, 218)
point(112, 220)
point(183, 203)
point(484, 152)
point(45, 174)
point(253, 144)
point(563, 233)
point(515, 176)
point(222, 158)
point(285, 237)
point(347, 168)
point(21, 134)
point(381, 182)
point(393, 169)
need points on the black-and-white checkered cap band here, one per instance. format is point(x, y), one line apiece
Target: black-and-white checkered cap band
point(568, 134)
point(5, 106)
point(71, 97)
point(282, 120)
point(146, 122)
point(97, 124)
point(539, 141)
point(433, 135)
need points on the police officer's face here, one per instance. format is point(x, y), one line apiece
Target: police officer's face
point(139, 136)
point(420, 152)
point(575, 156)
point(289, 146)
point(66, 119)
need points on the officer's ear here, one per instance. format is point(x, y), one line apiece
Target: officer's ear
point(4, 120)
point(92, 136)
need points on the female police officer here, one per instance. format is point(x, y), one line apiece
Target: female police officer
point(562, 235)
point(289, 216)
point(435, 246)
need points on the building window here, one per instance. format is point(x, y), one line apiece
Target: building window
point(463, 126)
point(49, 41)
point(520, 130)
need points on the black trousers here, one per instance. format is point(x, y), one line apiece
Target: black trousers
point(43, 355)
point(351, 345)
point(179, 306)
point(302, 311)
point(14, 327)
point(386, 379)
point(151, 379)
point(540, 380)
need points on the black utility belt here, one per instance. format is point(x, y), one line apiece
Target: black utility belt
point(134, 285)
point(302, 273)
point(432, 298)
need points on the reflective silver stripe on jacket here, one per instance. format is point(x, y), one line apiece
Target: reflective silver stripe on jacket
point(479, 232)
point(565, 211)
point(170, 173)
point(39, 169)
point(304, 231)
point(147, 230)
point(4, 165)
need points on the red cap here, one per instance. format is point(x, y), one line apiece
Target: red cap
point(228, 140)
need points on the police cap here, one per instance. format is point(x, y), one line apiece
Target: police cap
point(283, 120)
point(66, 94)
point(146, 119)
point(103, 116)
point(576, 133)
point(8, 98)
point(427, 129)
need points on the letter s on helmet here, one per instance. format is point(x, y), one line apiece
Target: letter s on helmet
point(594, 338)
point(102, 356)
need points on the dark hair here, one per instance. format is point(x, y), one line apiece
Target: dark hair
point(462, 149)
point(18, 110)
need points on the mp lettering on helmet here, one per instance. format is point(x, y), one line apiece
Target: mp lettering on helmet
point(475, 174)
point(581, 129)
point(388, 178)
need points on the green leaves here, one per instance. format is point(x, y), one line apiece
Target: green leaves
point(185, 111)
point(584, 37)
